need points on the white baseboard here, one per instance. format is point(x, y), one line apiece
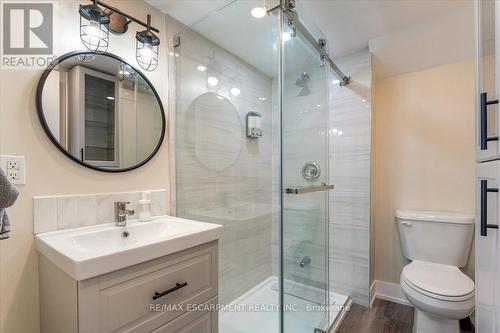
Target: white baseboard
point(387, 291)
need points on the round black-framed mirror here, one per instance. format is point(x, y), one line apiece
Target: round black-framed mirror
point(100, 111)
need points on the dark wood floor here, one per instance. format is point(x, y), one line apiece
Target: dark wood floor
point(383, 317)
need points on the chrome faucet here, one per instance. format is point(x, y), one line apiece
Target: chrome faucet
point(121, 213)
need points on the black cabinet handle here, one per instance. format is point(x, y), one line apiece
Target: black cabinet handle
point(484, 121)
point(484, 208)
point(171, 290)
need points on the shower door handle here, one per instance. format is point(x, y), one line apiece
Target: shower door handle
point(302, 190)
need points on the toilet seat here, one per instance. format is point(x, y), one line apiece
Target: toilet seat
point(438, 281)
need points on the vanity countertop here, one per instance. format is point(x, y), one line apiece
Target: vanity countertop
point(87, 252)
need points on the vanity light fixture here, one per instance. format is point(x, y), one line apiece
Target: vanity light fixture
point(94, 28)
point(96, 23)
point(86, 57)
point(127, 72)
point(147, 48)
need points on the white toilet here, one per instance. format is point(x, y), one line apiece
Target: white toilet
point(438, 244)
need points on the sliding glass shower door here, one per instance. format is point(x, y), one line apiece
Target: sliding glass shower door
point(305, 187)
point(249, 130)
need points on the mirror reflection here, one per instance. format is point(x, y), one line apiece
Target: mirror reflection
point(102, 112)
point(216, 130)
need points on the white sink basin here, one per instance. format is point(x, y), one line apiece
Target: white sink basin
point(87, 252)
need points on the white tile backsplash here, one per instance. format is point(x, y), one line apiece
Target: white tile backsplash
point(105, 207)
point(158, 203)
point(67, 212)
point(45, 217)
point(87, 210)
point(52, 213)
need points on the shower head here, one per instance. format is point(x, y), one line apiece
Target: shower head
point(302, 82)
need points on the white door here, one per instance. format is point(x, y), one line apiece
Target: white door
point(487, 118)
point(487, 243)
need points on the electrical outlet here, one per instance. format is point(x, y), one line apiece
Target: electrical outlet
point(13, 175)
point(15, 168)
point(13, 165)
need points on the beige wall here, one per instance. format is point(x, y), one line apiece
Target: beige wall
point(423, 153)
point(48, 171)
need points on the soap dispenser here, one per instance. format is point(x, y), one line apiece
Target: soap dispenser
point(145, 207)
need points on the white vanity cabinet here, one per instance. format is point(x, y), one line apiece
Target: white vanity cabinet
point(185, 285)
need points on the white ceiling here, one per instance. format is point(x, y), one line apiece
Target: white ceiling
point(351, 25)
point(188, 11)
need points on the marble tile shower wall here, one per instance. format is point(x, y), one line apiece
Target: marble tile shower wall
point(222, 176)
point(52, 213)
point(350, 149)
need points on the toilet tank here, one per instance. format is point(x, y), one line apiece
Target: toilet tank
point(439, 237)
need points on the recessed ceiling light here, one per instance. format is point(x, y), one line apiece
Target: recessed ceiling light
point(336, 81)
point(212, 81)
point(258, 12)
point(235, 91)
point(201, 68)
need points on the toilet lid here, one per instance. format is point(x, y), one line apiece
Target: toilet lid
point(438, 279)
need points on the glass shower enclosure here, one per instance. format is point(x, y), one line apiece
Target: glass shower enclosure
point(250, 135)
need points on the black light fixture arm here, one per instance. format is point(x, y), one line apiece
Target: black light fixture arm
point(131, 18)
point(149, 22)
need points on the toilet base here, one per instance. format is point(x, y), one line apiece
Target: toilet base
point(424, 322)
